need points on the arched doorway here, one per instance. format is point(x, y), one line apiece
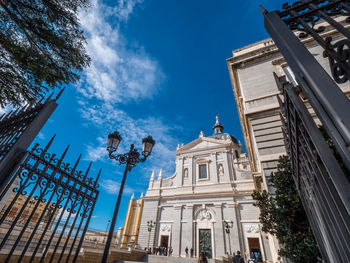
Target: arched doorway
point(205, 233)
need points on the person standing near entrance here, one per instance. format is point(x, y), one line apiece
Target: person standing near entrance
point(191, 252)
point(202, 258)
point(238, 258)
point(186, 250)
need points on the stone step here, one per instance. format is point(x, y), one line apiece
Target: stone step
point(162, 259)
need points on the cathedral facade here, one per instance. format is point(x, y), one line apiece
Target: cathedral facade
point(206, 206)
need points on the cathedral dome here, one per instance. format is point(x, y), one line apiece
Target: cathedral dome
point(219, 134)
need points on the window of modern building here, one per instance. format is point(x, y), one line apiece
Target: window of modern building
point(202, 171)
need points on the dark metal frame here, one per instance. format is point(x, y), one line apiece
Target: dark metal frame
point(329, 102)
point(323, 187)
point(58, 187)
point(322, 184)
point(18, 129)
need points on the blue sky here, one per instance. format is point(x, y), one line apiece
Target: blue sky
point(158, 67)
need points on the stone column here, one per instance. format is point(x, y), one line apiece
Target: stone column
point(176, 231)
point(219, 232)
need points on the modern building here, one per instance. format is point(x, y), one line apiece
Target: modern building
point(212, 185)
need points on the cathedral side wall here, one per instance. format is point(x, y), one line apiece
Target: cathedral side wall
point(150, 212)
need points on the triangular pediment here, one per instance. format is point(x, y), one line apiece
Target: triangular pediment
point(203, 143)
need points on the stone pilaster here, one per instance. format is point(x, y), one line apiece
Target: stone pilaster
point(178, 180)
point(235, 230)
point(219, 230)
point(176, 231)
point(191, 176)
point(227, 171)
point(187, 231)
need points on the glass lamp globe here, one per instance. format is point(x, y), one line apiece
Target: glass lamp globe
point(147, 145)
point(113, 141)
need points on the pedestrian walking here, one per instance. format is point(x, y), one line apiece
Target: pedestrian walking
point(170, 251)
point(186, 250)
point(191, 252)
point(259, 258)
point(238, 258)
point(251, 258)
point(256, 256)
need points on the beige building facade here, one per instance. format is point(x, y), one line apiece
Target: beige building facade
point(251, 72)
point(130, 231)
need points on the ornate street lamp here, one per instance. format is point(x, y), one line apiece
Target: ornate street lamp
point(130, 159)
point(108, 222)
point(228, 225)
point(150, 225)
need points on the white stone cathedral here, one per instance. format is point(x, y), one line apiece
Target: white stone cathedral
point(212, 185)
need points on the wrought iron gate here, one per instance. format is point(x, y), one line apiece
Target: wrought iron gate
point(18, 129)
point(321, 182)
point(49, 210)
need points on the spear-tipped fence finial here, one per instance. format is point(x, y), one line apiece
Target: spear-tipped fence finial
point(87, 170)
point(59, 94)
point(49, 97)
point(98, 176)
point(49, 144)
point(263, 10)
point(64, 153)
point(76, 164)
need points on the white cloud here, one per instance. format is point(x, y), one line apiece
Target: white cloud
point(112, 187)
point(132, 131)
point(119, 75)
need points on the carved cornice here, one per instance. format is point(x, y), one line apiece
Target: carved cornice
point(177, 207)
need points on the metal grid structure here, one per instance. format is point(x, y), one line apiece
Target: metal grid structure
point(304, 16)
point(322, 184)
point(68, 197)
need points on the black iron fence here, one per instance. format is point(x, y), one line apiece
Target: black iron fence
point(46, 204)
point(48, 213)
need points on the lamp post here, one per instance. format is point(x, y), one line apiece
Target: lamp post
point(108, 222)
point(228, 225)
point(150, 225)
point(130, 159)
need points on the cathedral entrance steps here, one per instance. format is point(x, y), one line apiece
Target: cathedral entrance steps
point(164, 259)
